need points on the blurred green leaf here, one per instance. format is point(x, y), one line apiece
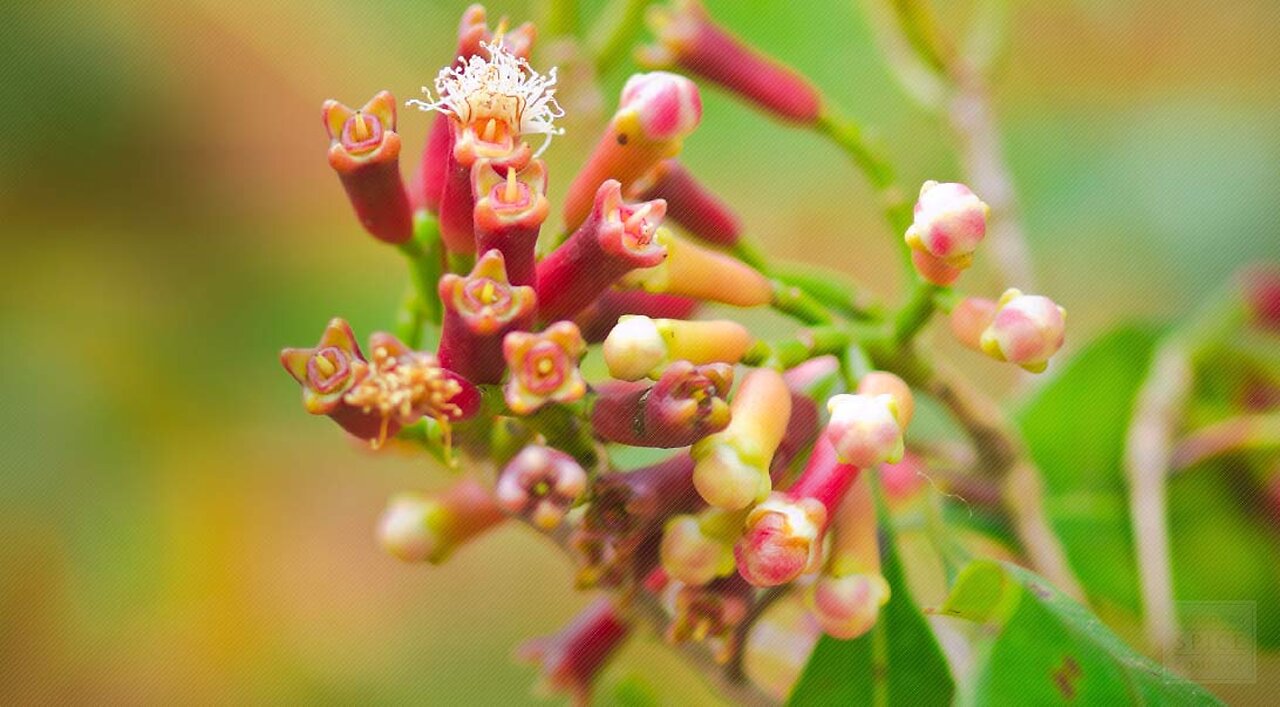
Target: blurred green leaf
point(898, 662)
point(1051, 650)
point(1223, 548)
point(1075, 431)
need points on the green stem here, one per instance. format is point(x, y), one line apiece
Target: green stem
point(849, 136)
point(410, 319)
point(626, 16)
point(919, 25)
point(424, 254)
point(559, 424)
point(795, 302)
point(916, 312)
point(828, 288)
point(788, 353)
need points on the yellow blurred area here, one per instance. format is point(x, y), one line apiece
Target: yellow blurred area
point(176, 528)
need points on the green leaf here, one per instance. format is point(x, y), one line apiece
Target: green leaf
point(1223, 547)
point(898, 662)
point(1075, 430)
point(1050, 650)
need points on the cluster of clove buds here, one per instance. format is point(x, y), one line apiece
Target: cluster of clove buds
point(774, 443)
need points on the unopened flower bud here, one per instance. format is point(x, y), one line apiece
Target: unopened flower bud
point(480, 309)
point(698, 548)
point(779, 646)
point(541, 484)
point(732, 469)
point(571, 659)
point(780, 540)
point(626, 514)
point(509, 211)
point(847, 607)
point(639, 346)
point(934, 270)
point(428, 528)
point(903, 480)
point(655, 113)
point(970, 318)
point(1027, 330)
point(685, 405)
point(327, 371)
point(597, 320)
point(616, 239)
point(544, 367)
point(847, 596)
point(885, 383)
point(950, 222)
point(865, 429)
point(690, 270)
point(364, 150)
point(689, 39)
point(784, 533)
point(690, 204)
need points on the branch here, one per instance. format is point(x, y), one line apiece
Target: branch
point(1147, 457)
point(974, 124)
point(1002, 456)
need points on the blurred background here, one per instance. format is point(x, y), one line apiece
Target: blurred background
point(172, 525)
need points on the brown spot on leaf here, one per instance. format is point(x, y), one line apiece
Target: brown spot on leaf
point(1066, 676)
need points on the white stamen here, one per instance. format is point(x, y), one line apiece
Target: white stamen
point(504, 87)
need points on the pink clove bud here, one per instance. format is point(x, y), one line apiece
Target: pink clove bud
point(784, 533)
point(847, 596)
point(950, 222)
point(885, 383)
point(639, 346)
point(691, 270)
point(1027, 330)
point(616, 239)
point(571, 659)
point(428, 528)
point(690, 204)
point(509, 211)
point(655, 113)
point(480, 309)
point(689, 39)
point(732, 469)
point(686, 404)
point(970, 318)
point(364, 150)
point(541, 484)
point(848, 606)
point(865, 429)
point(544, 367)
point(1261, 285)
